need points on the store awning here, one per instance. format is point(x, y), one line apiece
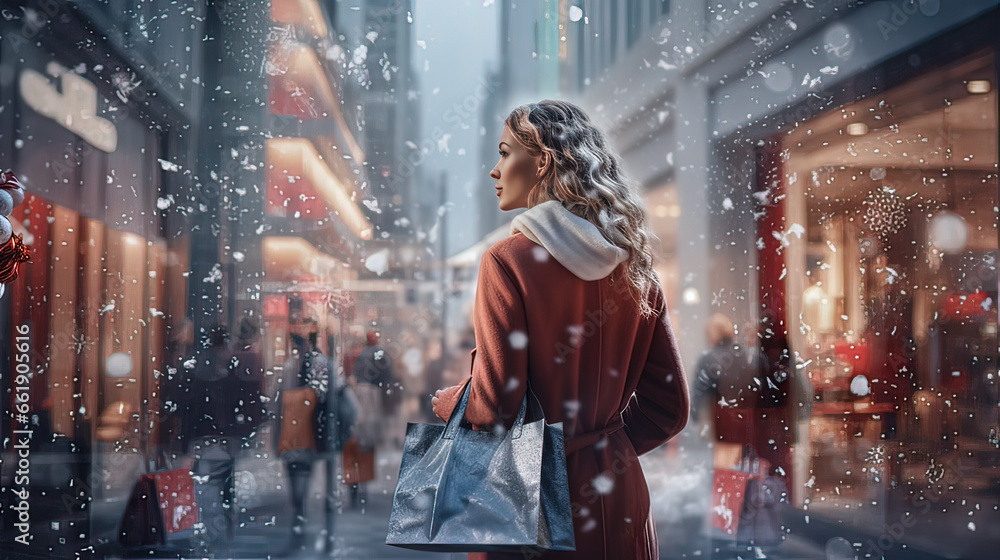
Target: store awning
point(302, 88)
point(291, 259)
point(297, 173)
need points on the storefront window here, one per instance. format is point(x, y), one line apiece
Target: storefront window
point(891, 218)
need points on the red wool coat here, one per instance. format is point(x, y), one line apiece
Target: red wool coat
point(587, 351)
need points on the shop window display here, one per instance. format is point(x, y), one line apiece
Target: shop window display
point(892, 288)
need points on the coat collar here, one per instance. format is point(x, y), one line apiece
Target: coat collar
point(573, 241)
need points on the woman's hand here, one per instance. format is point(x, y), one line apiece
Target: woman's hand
point(444, 400)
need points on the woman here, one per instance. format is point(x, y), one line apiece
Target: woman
point(570, 298)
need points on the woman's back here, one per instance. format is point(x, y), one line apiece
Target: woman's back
point(586, 349)
point(587, 335)
point(601, 360)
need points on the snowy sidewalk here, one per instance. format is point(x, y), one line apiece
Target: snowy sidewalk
point(360, 532)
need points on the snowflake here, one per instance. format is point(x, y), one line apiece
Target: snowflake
point(935, 472)
point(603, 483)
point(79, 343)
point(518, 340)
point(875, 460)
point(885, 212)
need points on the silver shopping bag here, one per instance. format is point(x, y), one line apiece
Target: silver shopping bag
point(462, 490)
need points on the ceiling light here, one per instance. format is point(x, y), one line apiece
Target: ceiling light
point(977, 86)
point(857, 129)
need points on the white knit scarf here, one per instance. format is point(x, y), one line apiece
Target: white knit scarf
point(573, 241)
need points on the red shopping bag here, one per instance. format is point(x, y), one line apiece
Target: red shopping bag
point(746, 501)
point(175, 491)
point(729, 489)
point(359, 465)
point(298, 429)
point(735, 468)
point(162, 506)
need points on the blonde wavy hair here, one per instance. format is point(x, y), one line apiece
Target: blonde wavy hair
point(585, 175)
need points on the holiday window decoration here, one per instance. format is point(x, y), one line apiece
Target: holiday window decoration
point(13, 251)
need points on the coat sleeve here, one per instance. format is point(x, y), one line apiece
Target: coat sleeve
point(500, 359)
point(660, 407)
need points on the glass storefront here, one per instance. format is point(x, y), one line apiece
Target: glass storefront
point(95, 324)
point(100, 306)
point(889, 262)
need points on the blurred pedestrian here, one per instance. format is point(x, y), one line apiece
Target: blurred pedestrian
point(302, 397)
point(247, 369)
point(726, 391)
point(211, 397)
point(175, 429)
point(372, 375)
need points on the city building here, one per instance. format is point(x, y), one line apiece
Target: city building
point(381, 82)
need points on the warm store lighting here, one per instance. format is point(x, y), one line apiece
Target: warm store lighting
point(298, 157)
point(691, 296)
point(306, 75)
point(301, 13)
point(857, 129)
point(977, 86)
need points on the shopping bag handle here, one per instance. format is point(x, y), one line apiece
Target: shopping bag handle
point(537, 412)
point(458, 414)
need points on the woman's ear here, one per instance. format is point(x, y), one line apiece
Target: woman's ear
point(543, 161)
